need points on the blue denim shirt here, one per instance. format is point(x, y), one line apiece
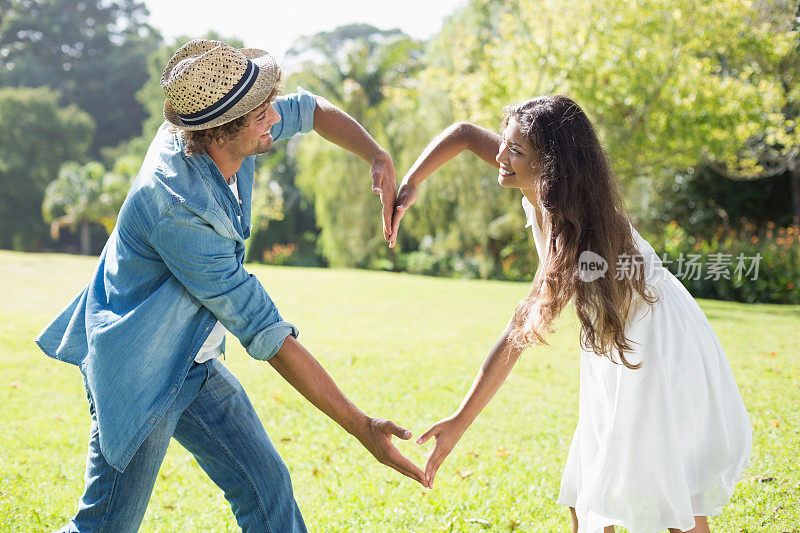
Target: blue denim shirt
point(172, 266)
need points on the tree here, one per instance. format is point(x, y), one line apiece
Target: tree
point(668, 84)
point(92, 51)
point(352, 64)
point(85, 195)
point(704, 200)
point(36, 136)
point(355, 67)
point(775, 151)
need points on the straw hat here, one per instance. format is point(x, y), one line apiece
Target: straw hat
point(208, 83)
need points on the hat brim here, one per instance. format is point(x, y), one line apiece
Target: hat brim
point(268, 72)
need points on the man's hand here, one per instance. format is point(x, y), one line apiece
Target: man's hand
point(297, 366)
point(406, 197)
point(383, 184)
point(376, 436)
point(341, 129)
point(446, 434)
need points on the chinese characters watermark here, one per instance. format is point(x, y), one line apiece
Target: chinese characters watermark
point(687, 266)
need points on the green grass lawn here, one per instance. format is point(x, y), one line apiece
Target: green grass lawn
point(402, 347)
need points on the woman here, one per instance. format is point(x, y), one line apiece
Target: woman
point(662, 434)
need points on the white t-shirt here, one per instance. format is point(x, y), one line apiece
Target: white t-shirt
point(212, 348)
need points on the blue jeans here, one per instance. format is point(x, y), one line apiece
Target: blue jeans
point(213, 418)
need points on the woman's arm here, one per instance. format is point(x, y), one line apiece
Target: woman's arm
point(493, 373)
point(451, 142)
point(444, 147)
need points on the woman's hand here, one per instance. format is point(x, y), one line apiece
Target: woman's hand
point(406, 196)
point(446, 433)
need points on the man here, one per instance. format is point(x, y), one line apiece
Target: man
point(148, 329)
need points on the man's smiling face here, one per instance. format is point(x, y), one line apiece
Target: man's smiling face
point(255, 137)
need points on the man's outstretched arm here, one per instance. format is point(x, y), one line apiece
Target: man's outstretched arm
point(338, 127)
point(297, 366)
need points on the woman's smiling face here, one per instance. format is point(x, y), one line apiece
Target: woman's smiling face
point(517, 159)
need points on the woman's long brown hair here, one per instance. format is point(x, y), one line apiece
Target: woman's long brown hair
point(582, 210)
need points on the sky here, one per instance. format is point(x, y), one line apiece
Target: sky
point(274, 26)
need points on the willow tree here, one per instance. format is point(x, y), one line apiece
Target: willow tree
point(353, 67)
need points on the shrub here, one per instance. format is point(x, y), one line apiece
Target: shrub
point(775, 252)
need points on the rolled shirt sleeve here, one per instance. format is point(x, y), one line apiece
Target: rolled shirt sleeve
point(297, 114)
point(206, 264)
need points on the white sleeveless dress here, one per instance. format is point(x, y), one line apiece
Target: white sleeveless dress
point(655, 446)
